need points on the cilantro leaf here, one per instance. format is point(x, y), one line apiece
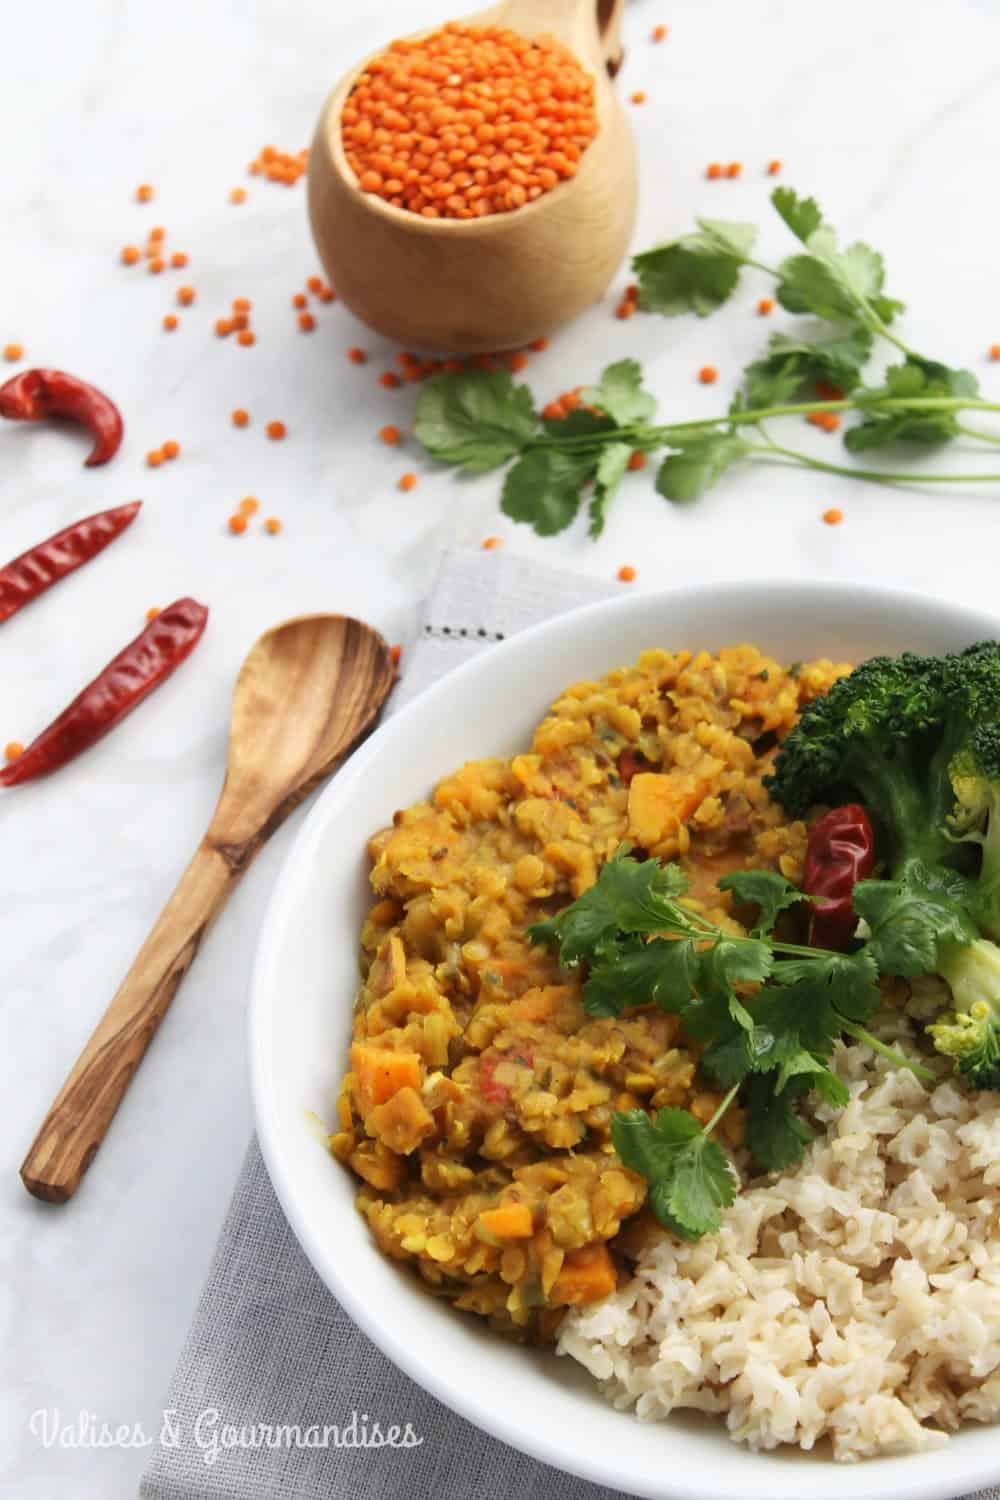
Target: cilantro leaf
point(477, 419)
point(838, 285)
point(791, 364)
point(915, 377)
point(580, 422)
point(909, 917)
point(621, 395)
point(637, 972)
point(696, 273)
point(802, 215)
point(629, 896)
point(848, 981)
point(831, 1089)
point(611, 469)
point(700, 461)
point(543, 488)
point(690, 1176)
point(775, 1134)
point(770, 892)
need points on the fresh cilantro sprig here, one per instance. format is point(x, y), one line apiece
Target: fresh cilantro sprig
point(481, 420)
point(767, 1012)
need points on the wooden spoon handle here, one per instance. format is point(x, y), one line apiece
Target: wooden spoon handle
point(85, 1106)
point(594, 22)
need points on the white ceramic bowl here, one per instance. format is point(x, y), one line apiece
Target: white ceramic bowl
point(306, 978)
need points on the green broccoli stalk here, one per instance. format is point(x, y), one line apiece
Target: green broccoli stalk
point(972, 1034)
point(918, 740)
point(975, 777)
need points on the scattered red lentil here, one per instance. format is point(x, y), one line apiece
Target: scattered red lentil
point(491, 543)
point(306, 322)
point(242, 304)
point(239, 321)
point(407, 481)
point(186, 295)
point(278, 166)
point(152, 612)
point(237, 524)
point(390, 380)
point(300, 300)
point(223, 327)
point(357, 356)
point(708, 374)
point(773, 167)
point(765, 306)
point(12, 352)
point(827, 392)
point(170, 322)
point(734, 169)
point(828, 421)
point(326, 294)
point(249, 505)
point(538, 345)
point(246, 337)
point(276, 431)
point(995, 351)
point(315, 283)
point(156, 264)
point(390, 434)
point(131, 254)
point(713, 170)
point(179, 260)
point(154, 458)
point(659, 33)
point(170, 449)
point(238, 195)
point(833, 516)
point(625, 308)
point(516, 361)
point(637, 460)
point(638, 97)
point(626, 574)
point(516, 127)
point(241, 418)
point(144, 193)
point(395, 655)
point(272, 526)
point(13, 749)
point(157, 233)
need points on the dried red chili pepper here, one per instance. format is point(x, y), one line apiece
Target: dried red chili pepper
point(121, 687)
point(36, 394)
point(39, 568)
point(840, 852)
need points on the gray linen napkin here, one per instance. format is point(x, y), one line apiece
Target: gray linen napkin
point(269, 1344)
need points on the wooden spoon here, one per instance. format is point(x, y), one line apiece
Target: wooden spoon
point(469, 285)
point(307, 692)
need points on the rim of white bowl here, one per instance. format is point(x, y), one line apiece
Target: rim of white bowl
point(968, 1476)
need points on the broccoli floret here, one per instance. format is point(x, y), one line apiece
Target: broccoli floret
point(972, 1034)
point(874, 736)
point(975, 779)
point(917, 739)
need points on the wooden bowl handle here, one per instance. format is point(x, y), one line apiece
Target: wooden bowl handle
point(79, 1118)
point(597, 22)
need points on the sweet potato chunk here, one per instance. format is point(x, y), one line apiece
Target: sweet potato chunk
point(402, 1122)
point(379, 1073)
point(510, 1221)
point(587, 1275)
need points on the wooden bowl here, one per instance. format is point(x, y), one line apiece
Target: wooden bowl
point(473, 285)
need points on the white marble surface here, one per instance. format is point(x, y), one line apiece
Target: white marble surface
point(887, 111)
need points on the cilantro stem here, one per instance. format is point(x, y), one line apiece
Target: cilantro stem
point(975, 432)
point(860, 1034)
point(724, 1104)
point(879, 476)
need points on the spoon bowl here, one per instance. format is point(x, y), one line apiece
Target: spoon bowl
point(476, 285)
point(308, 691)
